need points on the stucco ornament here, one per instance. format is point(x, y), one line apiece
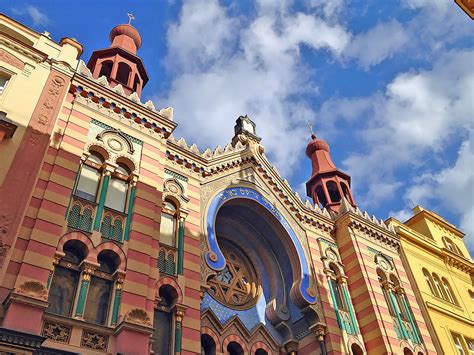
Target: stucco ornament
point(33, 289)
point(138, 316)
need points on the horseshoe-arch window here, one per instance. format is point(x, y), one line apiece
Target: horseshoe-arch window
point(62, 291)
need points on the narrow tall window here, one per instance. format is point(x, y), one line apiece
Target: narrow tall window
point(458, 344)
point(118, 189)
point(337, 293)
point(449, 291)
point(208, 345)
point(429, 281)
point(89, 179)
point(440, 289)
point(385, 292)
point(333, 191)
point(163, 321)
point(100, 288)
point(62, 291)
point(470, 346)
point(168, 224)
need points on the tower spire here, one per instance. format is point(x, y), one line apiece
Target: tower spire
point(327, 184)
point(119, 62)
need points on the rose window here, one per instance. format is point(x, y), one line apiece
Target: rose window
point(237, 284)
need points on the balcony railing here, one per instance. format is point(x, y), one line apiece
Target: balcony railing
point(81, 214)
point(112, 225)
point(167, 257)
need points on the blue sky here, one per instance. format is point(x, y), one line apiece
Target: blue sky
point(389, 84)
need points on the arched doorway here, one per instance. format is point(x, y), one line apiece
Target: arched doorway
point(261, 275)
point(234, 348)
point(208, 346)
point(356, 350)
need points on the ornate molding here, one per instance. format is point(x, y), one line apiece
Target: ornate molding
point(56, 331)
point(138, 316)
point(33, 289)
point(94, 340)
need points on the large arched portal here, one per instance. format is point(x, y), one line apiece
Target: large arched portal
point(262, 278)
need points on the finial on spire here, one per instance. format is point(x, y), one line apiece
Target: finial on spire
point(310, 127)
point(130, 17)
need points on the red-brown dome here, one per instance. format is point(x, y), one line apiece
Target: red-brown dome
point(316, 144)
point(127, 30)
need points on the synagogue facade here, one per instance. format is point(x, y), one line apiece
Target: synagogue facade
point(117, 237)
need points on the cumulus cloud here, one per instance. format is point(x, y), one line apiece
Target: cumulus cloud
point(223, 70)
point(452, 189)
point(415, 116)
point(38, 17)
point(378, 43)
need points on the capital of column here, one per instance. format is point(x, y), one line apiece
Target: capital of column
point(180, 310)
point(342, 279)
point(320, 330)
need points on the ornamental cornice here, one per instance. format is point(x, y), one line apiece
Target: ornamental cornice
point(28, 51)
point(457, 261)
point(370, 229)
point(108, 102)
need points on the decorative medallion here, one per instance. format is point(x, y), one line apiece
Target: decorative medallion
point(93, 340)
point(56, 332)
point(237, 285)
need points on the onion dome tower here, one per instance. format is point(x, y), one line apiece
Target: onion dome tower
point(327, 184)
point(119, 63)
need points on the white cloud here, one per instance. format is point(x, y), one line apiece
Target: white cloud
point(452, 188)
point(38, 17)
point(417, 115)
point(224, 70)
point(378, 43)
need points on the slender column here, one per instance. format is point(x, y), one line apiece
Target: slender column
point(117, 299)
point(103, 194)
point(410, 318)
point(180, 245)
point(349, 304)
point(320, 330)
point(83, 290)
point(397, 312)
point(178, 328)
point(131, 201)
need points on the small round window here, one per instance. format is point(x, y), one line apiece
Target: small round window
point(237, 285)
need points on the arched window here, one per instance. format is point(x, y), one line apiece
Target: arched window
point(429, 281)
point(261, 352)
point(345, 191)
point(449, 291)
point(100, 288)
point(208, 346)
point(383, 282)
point(336, 287)
point(163, 320)
point(321, 196)
point(234, 348)
point(169, 217)
point(356, 349)
point(136, 82)
point(90, 175)
point(439, 287)
point(123, 73)
point(398, 296)
point(333, 191)
point(106, 69)
point(62, 291)
point(118, 188)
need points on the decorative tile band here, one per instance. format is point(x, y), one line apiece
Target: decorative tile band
point(106, 126)
point(176, 175)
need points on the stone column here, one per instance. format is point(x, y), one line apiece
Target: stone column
point(119, 276)
point(180, 309)
point(87, 270)
point(103, 195)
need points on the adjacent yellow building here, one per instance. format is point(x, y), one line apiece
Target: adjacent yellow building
point(442, 275)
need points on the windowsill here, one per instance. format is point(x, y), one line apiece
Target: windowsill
point(437, 298)
point(75, 322)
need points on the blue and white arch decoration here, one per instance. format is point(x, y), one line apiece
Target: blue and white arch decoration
point(217, 261)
